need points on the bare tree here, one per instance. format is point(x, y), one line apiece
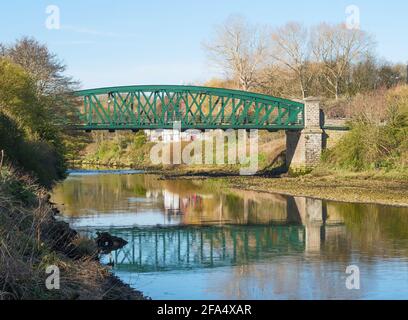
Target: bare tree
point(277, 81)
point(52, 86)
point(240, 49)
point(337, 48)
point(291, 48)
point(3, 50)
point(44, 67)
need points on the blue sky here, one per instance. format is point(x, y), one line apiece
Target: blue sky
point(123, 42)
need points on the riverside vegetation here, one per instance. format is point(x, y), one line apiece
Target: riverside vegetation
point(34, 100)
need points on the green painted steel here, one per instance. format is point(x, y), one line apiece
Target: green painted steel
point(160, 107)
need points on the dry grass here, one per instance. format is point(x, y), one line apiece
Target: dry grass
point(31, 240)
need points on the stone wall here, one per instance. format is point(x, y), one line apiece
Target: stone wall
point(331, 136)
point(314, 146)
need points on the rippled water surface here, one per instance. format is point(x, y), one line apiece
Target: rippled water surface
point(195, 240)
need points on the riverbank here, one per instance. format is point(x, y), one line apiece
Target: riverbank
point(369, 187)
point(33, 240)
point(377, 187)
point(343, 189)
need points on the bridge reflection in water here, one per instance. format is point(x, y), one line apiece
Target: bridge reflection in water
point(173, 248)
point(177, 225)
point(178, 248)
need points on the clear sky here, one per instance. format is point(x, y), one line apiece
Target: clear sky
point(121, 42)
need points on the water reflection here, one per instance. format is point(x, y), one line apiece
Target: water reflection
point(98, 197)
point(238, 244)
point(170, 249)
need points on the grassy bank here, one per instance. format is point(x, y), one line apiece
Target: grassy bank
point(127, 150)
point(31, 239)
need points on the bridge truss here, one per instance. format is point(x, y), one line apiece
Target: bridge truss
point(160, 107)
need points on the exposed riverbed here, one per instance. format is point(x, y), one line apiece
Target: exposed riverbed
point(196, 239)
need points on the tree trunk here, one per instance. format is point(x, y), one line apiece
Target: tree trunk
point(336, 88)
point(302, 88)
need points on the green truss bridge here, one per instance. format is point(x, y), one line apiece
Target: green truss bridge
point(201, 108)
point(160, 107)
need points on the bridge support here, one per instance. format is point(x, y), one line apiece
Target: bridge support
point(304, 148)
point(313, 217)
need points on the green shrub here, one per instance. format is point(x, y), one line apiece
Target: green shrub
point(27, 134)
point(139, 140)
point(10, 136)
point(371, 145)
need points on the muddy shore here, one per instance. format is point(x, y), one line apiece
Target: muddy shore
point(354, 188)
point(106, 286)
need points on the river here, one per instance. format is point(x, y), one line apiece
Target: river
point(193, 239)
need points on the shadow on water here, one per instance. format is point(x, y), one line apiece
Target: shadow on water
point(262, 245)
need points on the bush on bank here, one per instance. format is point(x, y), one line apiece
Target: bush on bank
point(373, 145)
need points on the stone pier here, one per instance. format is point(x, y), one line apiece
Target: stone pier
point(312, 215)
point(304, 148)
